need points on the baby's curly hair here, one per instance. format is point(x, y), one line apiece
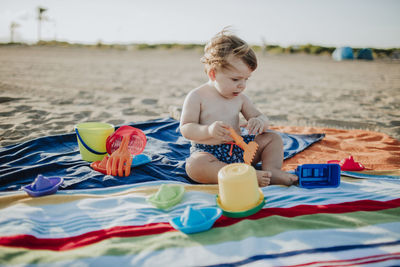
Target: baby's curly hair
point(224, 44)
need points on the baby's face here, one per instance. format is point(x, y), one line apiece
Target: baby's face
point(231, 82)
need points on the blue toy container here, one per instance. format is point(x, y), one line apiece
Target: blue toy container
point(318, 175)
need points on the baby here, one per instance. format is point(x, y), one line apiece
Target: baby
point(209, 111)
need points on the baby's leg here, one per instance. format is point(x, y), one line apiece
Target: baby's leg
point(203, 167)
point(270, 152)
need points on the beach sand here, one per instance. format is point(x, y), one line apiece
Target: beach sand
point(48, 90)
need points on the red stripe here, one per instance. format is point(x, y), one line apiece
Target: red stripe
point(360, 205)
point(67, 243)
point(352, 262)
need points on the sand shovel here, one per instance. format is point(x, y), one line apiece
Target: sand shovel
point(249, 150)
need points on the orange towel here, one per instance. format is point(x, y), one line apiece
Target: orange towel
point(377, 151)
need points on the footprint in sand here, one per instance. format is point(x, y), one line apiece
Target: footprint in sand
point(129, 111)
point(82, 115)
point(5, 99)
point(62, 102)
point(7, 126)
point(22, 108)
point(126, 100)
point(37, 114)
point(149, 101)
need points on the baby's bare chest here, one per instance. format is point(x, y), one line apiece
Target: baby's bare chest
point(226, 111)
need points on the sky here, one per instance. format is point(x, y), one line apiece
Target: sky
point(356, 23)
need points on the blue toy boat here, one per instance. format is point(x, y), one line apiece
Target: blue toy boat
point(195, 220)
point(43, 186)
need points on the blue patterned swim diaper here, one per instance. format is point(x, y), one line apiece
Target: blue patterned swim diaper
point(228, 153)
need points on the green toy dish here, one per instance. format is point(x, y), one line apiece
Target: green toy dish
point(240, 214)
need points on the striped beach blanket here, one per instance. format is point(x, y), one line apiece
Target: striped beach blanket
point(357, 223)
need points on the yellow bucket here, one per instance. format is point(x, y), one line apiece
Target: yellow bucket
point(92, 138)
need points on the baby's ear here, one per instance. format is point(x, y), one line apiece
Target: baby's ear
point(211, 74)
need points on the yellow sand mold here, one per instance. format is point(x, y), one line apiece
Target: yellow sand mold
point(238, 187)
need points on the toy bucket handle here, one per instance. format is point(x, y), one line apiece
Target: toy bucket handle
point(86, 146)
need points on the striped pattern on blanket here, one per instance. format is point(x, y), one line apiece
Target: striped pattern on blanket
point(355, 224)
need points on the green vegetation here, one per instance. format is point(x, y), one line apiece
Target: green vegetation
point(271, 49)
point(168, 46)
point(321, 50)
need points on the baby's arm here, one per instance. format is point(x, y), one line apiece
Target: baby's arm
point(192, 129)
point(256, 121)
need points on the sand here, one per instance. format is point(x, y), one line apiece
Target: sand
point(48, 90)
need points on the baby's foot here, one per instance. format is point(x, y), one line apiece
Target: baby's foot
point(263, 178)
point(284, 178)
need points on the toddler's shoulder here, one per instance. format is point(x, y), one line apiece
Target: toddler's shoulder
point(195, 96)
point(200, 91)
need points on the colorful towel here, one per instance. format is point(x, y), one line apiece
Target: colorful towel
point(357, 223)
point(59, 156)
point(376, 151)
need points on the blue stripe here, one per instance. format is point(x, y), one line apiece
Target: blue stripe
point(306, 251)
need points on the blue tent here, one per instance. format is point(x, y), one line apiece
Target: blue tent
point(342, 53)
point(365, 53)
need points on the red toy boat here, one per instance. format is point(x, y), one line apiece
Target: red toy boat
point(348, 164)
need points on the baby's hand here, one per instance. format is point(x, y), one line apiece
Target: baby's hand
point(219, 131)
point(255, 126)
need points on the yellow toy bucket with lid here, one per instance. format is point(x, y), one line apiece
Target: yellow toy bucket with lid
point(92, 138)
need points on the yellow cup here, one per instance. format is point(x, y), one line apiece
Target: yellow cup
point(92, 138)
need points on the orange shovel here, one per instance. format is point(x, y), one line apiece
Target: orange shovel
point(249, 150)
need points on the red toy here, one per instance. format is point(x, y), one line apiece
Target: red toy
point(121, 145)
point(100, 166)
point(137, 140)
point(348, 164)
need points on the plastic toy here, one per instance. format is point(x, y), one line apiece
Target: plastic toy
point(120, 160)
point(136, 137)
point(140, 160)
point(92, 138)
point(42, 186)
point(194, 220)
point(348, 164)
point(318, 175)
point(239, 214)
point(239, 194)
point(101, 166)
point(167, 196)
point(249, 150)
